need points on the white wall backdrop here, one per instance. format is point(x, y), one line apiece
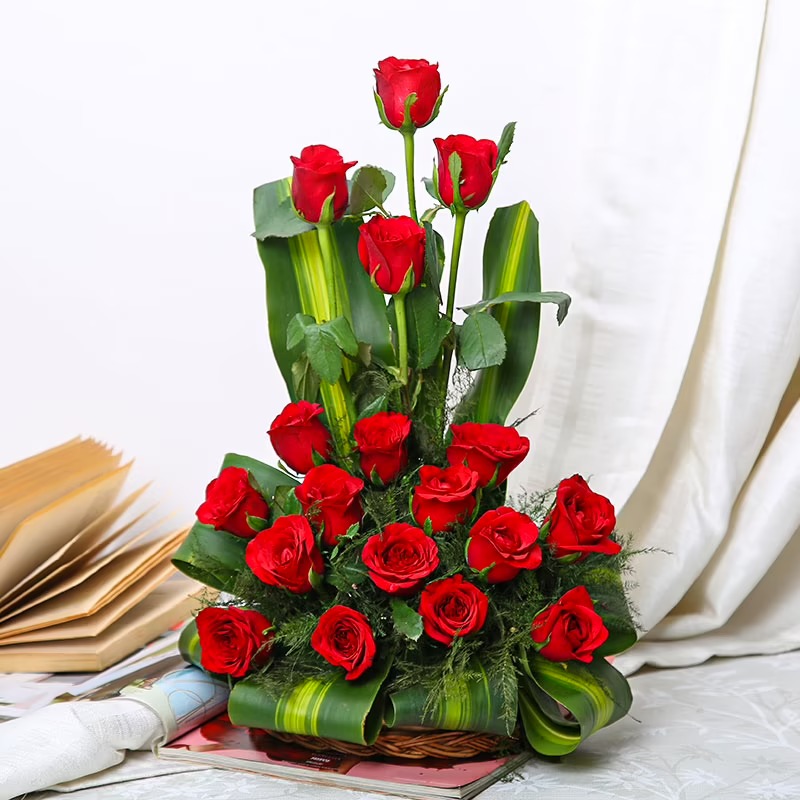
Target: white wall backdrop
point(131, 295)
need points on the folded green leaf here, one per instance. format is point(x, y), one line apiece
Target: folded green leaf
point(481, 342)
point(475, 703)
point(268, 477)
point(189, 644)
point(214, 558)
point(329, 707)
point(369, 189)
point(561, 299)
point(434, 259)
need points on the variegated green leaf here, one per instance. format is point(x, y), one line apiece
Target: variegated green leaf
point(212, 557)
point(189, 644)
point(330, 707)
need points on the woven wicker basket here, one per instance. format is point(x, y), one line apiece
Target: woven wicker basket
point(413, 744)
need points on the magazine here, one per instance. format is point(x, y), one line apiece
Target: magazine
point(218, 743)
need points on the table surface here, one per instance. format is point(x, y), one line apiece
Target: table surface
point(728, 730)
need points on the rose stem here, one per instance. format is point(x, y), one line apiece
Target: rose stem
point(402, 336)
point(458, 237)
point(408, 140)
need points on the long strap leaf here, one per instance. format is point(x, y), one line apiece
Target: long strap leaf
point(510, 264)
point(329, 707)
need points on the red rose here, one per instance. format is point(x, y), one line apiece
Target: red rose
point(478, 163)
point(285, 554)
point(318, 174)
point(331, 498)
point(400, 558)
point(445, 496)
point(381, 441)
point(570, 629)
point(296, 434)
point(230, 499)
point(491, 450)
point(397, 78)
point(452, 607)
point(231, 639)
point(581, 522)
point(392, 251)
point(507, 539)
point(344, 638)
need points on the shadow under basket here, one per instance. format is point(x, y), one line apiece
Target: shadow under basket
point(411, 744)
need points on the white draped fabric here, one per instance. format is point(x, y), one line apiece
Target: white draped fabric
point(674, 381)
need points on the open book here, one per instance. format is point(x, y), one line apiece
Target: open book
point(85, 577)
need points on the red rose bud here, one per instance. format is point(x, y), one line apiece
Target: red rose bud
point(344, 638)
point(491, 450)
point(285, 554)
point(330, 496)
point(505, 540)
point(581, 521)
point(478, 163)
point(318, 174)
point(382, 444)
point(570, 629)
point(232, 640)
point(392, 250)
point(400, 558)
point(397, 78)
point(452, 607)
point(230, 499)
point(297, 433)
point(445, 496)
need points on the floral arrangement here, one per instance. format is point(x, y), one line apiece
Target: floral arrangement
point(380, 578)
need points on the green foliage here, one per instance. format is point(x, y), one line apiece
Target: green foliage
point(369, 189)
point(481, 342)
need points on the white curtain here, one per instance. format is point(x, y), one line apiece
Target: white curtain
point(673, 384)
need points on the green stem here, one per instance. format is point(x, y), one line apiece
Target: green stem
point(458, 238)
point(402, 336)
point(326, 248)
point(408, 140)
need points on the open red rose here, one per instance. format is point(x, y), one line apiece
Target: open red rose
point(382, 444)
point(506, 539)
point(233, 639)
point(344, 638)
point(445, 496)
point(452, 607)
point(318, 174)
point(570, 629)
point(400, 558)
point(397, 78)
point(491, 450)
point(331, 498)
point(581, 521)
point(392, 251)
point(478, 163)
point(285, 554)
point(230, 499)
point(297, 433)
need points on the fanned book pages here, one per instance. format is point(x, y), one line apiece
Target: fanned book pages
point(85, 572)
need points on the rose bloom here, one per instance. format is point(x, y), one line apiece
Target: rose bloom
point(452, 607)
point(400, 558)
point(284, 554)
point(391, 247)
point(331, 497)
point(344, 638)
point(507, 539)
point(382, 444)
point(581, 521)
point(478, 163)
point(445, 496)
point(570, 629)
point(230, 499)
point(397, 78)
point(297, 433)
point(231, 639)
point(491, 450)
point(318, 174)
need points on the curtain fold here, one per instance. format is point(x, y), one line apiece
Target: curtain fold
point(673, 385)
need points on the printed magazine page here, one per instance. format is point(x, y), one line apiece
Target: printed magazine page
point(218, 743)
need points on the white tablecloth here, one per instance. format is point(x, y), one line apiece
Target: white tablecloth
point(728, 730)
